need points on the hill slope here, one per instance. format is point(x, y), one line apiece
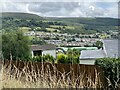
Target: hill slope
point(64, 25)
point(90, 21)
point(20, 15)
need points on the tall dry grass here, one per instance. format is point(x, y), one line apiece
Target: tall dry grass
point(15, 78)
point(1, 79)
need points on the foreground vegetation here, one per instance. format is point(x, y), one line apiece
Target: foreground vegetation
point(31, 79)
point(111, 68)
point(26, 78)
point(15, 46)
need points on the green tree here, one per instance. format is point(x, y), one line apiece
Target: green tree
point(99, 44)
point(73, 56)
point(15, 46)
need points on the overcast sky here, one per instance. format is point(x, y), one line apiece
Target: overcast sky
point(51, 8)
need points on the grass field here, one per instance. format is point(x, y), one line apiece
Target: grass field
point(24, 29)
point(67, 27)
point(51, 29)
point(31, 37)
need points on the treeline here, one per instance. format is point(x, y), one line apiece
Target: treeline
point(14, 22)
point(10, 22)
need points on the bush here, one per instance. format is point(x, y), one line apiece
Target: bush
point(69, 58)
point(48, 58)
point(72, 59)
point(111, 67)
point(61, 58)
point(73, 56)
point(44, 58)
point(37, 58)
point(76, 60)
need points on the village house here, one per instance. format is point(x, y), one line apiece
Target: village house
point(37, 50)
point(89, 56)
point(30, 33)
point(110, 50)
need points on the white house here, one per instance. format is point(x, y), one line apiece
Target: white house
point(110, 49)
point(89, 56)
point(43, 50)
point(30, 33)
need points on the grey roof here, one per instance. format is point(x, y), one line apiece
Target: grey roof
point(111, 48)
point(43, 47)
point(92, 54)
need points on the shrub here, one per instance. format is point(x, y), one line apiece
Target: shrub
point(48, 58)
point(111, 67)
point(37, 58)
point(61, 58)
point(73, 56)
point(44, 58)
point(72, 59)
point(76, 60)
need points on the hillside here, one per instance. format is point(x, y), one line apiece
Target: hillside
point(62, 25)
point(21, 15)
point(97, 24)
point(90, 21)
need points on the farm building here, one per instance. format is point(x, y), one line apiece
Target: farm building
point(110, 49)
point(43, 50)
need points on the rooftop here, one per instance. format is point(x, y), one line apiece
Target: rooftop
point(92, 54)
point(43, 47)
point(111, 47)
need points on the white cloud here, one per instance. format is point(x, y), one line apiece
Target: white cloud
point(59, 0)
point(78, 9)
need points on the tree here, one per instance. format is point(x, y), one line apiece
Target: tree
point(73, 56)
point(15, 46)
point(99, 44)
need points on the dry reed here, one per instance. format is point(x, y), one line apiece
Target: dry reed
point(15, 78)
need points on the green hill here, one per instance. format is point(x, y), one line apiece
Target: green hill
point(90, 21)
point(64, 25)
point(96, 24)
point(21, 15)
point(13, 21)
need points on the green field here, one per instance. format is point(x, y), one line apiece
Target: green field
point(24, 29)
point(67, 27)
point(51, 29)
